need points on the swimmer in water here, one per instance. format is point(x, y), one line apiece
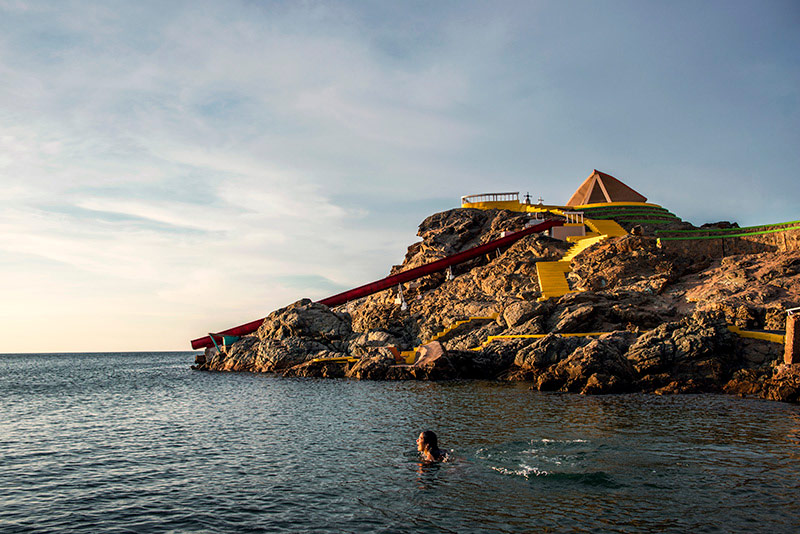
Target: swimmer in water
point(428, 446)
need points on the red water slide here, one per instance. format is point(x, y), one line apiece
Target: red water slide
point(393, 280)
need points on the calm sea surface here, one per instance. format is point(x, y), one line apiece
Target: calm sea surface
point(140, 443)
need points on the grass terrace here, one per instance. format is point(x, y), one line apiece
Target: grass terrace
point(716, 233)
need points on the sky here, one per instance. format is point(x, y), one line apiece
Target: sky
point(168, 169)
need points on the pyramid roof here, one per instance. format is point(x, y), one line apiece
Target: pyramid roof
point(602, 187)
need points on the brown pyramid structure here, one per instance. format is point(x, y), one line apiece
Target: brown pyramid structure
point(602, 187)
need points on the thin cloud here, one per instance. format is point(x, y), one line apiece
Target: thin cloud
point(194, 163)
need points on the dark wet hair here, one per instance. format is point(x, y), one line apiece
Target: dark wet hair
point(430, 441)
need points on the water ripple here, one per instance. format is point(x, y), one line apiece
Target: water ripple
point(139, 443)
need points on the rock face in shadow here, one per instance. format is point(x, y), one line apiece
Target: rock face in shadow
point(691, 355)
point(783, 384)
point(663, 316)
point(293, 335)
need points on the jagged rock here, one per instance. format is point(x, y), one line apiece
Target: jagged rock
point(473, 338)
point(360, 344)
point(604, 359)
point(320, 369)
point(633, 262)
point(305, 319)
point(434, 364)
point(574, 319)
point(478, 364)
point(696, 348)
point(238, 358)
point(752, 290)
point(688, 385)
point(775, 318)
point(520, 312)
point(401, 372)
point(720, 224)
point(603, 384)
point(429, 354)
point(504, 352)
point(547, 351)
point(632, 313)
point(746, 382)
point(455, 230)
point(756, 353)
point(383, 316)
point(536, 325)
point(288, 337)
point(784, 384)
point(597, 367)
point(373, 365)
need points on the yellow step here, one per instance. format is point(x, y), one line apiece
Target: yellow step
point(455, 325)
point(409, 356)
point(606, 227)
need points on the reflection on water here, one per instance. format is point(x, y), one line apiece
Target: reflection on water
point(139, 443)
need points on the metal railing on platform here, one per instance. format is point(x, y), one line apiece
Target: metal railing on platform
point(491, 197)
point(573, 217)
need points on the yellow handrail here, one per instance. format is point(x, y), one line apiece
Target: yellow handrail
point(337, 359)
point(536, 336)
point(763, 336)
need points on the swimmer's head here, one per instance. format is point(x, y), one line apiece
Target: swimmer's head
point(427, 441)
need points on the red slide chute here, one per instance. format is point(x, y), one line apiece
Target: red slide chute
point(393, 280)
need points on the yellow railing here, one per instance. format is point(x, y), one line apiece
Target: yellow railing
point(455, 325)
point(490, 197)
point(535, 336)
point(338, 359)
point(409, 356)
point(763, 336)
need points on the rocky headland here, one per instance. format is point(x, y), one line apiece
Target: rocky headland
point(659, 316)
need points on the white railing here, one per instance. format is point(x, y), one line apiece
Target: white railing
point(491, 197)
point(537, 216)
point(573, 217)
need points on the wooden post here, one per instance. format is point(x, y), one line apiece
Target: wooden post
point(791, 352)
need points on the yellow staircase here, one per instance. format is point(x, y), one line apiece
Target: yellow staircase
point(607, 227)
point(455, 325)
point(579, 247)
point(552, 281)
point(551, 274)
point(410, 355)
point(576, 238)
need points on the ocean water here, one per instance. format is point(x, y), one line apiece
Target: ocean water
point(140, 443)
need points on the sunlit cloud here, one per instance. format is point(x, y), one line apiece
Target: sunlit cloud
point(176, 167)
